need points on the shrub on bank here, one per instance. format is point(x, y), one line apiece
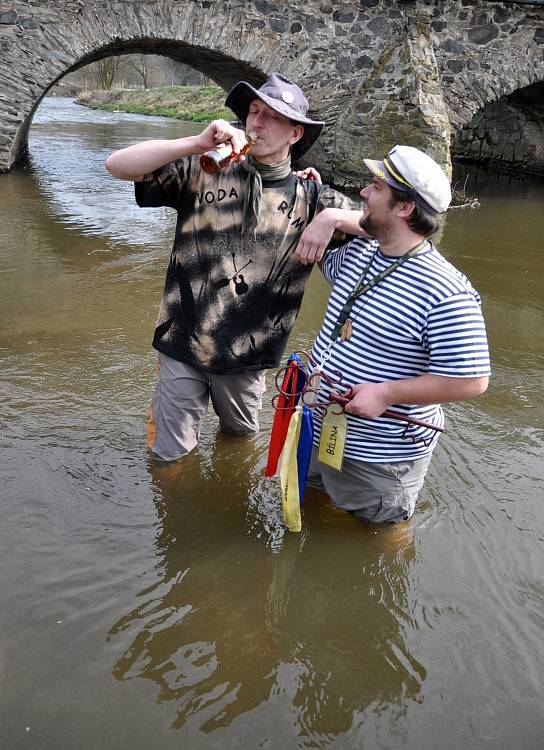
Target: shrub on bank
point(192, 103)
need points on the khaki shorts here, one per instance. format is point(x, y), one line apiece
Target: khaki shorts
point(180, 402)
point(376, 493)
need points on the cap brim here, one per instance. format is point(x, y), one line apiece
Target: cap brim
point(240, 97)
point(379, 169)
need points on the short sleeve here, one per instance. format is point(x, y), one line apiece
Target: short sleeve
point(456, 338)
point(346, 253)
point(164, 186)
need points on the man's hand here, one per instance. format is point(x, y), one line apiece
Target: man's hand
point(220, 131)
point(310, 174)
point(315, 238)
point(369, 400)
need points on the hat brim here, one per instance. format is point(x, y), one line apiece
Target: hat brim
point(240, 97)
point(379, 169)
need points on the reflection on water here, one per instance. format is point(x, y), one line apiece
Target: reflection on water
point(222, 639)
point(159, 606)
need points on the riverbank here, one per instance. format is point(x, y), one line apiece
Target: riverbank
point(191, 103)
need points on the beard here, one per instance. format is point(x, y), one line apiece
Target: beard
point(366, 223)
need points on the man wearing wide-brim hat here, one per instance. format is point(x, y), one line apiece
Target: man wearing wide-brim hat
point(234, 284)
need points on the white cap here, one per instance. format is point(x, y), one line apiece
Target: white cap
point(409, 169)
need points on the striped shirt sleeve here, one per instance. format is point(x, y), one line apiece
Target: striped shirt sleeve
point(337, 258)
point(456, 338)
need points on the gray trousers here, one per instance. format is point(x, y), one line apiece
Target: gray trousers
point(180, 402)
point(372, 492)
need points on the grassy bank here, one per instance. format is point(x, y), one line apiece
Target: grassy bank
point(193, 103)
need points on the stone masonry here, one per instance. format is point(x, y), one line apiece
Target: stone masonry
point(378, 72)
point(508, 134)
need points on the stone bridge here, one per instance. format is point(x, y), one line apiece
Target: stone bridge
point(422, 72)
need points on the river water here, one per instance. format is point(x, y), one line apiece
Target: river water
point(146, 607)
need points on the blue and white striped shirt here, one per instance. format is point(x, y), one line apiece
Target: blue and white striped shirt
point(425, 317)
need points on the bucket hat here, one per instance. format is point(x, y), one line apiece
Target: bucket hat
point(283, 97)
point(408, 169)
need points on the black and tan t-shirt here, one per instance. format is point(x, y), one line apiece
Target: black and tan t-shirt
point(230, 300)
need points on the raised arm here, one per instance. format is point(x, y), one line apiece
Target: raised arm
point(134, 162)
point(315, 239)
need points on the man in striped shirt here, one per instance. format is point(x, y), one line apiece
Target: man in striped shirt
point(405, 330)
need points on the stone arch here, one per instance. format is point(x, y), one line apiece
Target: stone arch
point(507, 134)
point(221, 68)
point(328, 50)
point(486, 51)
point(488, 54)
point(38, 50)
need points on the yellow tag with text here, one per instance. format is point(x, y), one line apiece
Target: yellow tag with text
point(334, 430)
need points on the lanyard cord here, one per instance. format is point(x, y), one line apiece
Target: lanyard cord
point(362, 288)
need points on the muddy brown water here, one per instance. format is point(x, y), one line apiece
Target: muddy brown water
point(147, 607)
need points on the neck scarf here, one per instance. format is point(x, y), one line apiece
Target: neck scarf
point(254, 193)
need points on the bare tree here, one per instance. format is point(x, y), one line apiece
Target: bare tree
point(140, 65)
point(107, 70)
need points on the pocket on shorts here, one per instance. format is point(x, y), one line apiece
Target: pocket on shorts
point(394, 508)
point(401, 469)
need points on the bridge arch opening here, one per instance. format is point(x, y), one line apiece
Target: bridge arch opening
point(223, 70)
point(507, 135)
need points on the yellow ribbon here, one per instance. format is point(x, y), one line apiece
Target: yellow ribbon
point(289, 474)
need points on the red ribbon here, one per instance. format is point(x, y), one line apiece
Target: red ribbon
point(282, 417)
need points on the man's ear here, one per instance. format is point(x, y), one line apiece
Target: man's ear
point(298, 132)
point(405, 208)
